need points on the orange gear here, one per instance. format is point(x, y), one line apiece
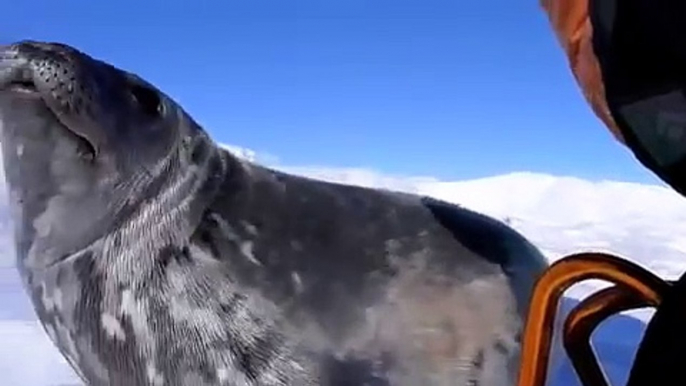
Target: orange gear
point(572, 25)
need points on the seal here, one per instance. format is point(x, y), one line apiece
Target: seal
point(155, 257)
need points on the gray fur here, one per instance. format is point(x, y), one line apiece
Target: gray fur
point(154, 257)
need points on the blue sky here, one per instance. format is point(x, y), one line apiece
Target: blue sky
point(452, 89)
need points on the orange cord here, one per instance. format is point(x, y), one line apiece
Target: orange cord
point(635, 287)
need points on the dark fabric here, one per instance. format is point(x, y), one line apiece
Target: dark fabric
point(641, 49)
point(661, 356)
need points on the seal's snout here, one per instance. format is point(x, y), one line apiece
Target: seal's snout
point(72, 82)
point(56, 72)
point(93, 100)
point(65, 80)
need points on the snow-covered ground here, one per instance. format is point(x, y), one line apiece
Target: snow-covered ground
point(560, 215)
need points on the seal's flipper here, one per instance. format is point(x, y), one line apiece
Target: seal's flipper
point(520, 261)
point(494, 241)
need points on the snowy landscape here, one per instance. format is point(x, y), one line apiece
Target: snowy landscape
point(561, 215)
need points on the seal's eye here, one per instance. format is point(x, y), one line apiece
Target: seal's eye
point(148, 100)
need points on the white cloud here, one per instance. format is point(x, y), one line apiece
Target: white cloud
point(559, 214)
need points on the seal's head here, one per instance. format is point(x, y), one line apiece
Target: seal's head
point(81, 139)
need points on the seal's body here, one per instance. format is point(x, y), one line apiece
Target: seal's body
point(154, 257)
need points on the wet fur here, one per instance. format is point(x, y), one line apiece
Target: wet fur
point(217, 271)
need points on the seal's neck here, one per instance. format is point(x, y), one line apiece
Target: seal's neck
point(165, 211)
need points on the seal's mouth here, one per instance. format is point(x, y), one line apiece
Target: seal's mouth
point(16, 80)
point(19, 87)
point(14, 76)
point(22, 86)
point(26, 90)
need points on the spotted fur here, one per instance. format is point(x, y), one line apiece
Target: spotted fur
point(154, 257)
